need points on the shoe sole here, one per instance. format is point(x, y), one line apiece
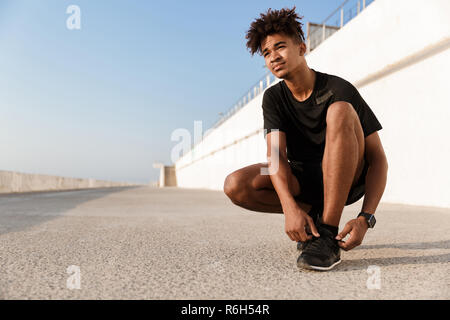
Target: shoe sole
point(311, 267)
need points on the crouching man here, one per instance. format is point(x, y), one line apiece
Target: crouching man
point(323, 148)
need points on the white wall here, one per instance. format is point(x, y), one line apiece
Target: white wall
point(210, 172)
point(397, 54)
point(407, 42)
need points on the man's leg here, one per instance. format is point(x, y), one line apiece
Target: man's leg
point(249, 189)
point(343, 159)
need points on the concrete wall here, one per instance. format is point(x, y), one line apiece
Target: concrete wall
point(238, 142)
point(170, 179)
point(11, 182)
point(397, 54)
point(167, 176)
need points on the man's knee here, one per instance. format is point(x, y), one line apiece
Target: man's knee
point(340, 115)
point(235, 188)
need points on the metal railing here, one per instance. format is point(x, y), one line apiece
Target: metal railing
point(258, 87)
point(316, 34)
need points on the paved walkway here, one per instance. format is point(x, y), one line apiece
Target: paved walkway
point(150, 243)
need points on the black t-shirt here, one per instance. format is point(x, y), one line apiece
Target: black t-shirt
point(305, 122)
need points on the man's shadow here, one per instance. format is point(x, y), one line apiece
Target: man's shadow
point(362, 264)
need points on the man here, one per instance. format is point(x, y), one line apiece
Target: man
point(334, 155)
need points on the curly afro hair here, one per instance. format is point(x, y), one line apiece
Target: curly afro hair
point(274, 21)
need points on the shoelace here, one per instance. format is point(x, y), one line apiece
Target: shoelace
point(318, 245)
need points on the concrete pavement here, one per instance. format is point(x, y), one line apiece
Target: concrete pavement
point(170, 243)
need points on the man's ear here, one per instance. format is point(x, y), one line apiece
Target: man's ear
point(302, 48)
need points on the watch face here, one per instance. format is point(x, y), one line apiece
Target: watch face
point(371, 221)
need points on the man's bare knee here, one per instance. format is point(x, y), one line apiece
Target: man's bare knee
point(235, 188)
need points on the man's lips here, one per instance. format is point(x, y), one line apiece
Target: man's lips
point(278, 66)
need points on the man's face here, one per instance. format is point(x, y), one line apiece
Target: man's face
point(282, 54)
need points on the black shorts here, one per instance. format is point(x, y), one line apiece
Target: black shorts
point(310, 178)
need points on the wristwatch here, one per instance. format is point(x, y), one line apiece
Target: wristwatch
point(370, 218)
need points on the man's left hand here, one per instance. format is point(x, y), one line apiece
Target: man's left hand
point(357, 229)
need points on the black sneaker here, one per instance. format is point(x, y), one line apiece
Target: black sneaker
point(315, 213)
point(301, 245)
point(321, 253)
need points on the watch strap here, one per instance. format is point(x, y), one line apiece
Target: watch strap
point(370, 218)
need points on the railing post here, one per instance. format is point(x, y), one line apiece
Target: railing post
point(359, 7)
point(261, 86)
point(342, 17)
point(364, 4)
point(268, 80)
point(323, 32)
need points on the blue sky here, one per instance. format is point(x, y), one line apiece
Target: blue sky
point(102, 101)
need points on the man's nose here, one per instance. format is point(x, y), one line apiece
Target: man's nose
point(275, 56)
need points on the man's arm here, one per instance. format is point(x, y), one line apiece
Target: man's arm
point(279, 169)
point(377, 173)
point(280, 176)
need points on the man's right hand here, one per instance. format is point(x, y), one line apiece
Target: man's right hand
point(295, 222)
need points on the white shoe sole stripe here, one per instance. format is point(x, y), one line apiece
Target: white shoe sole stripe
point(323, 268)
